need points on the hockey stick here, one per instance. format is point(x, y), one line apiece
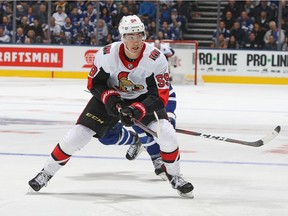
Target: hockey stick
point(257, 143)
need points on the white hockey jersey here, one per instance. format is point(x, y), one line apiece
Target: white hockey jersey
point(149, 72)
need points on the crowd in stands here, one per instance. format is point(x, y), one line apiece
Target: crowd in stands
point(252, 25)
point(75, 22)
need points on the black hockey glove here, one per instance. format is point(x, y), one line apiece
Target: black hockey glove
point(112, 101)
point(135, 111)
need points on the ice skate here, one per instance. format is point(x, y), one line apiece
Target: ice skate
point(184, 188)
point(134, 149)
point(40, 180)
point(160, 169)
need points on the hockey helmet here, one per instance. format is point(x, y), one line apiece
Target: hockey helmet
point(131, 24)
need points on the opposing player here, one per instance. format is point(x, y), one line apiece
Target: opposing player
point(129, 80)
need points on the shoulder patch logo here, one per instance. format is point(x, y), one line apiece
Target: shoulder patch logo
point(154, 54)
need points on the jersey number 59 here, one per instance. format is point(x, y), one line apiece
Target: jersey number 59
point(162, 80)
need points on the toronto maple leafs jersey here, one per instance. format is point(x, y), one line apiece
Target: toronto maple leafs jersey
point(146, 78)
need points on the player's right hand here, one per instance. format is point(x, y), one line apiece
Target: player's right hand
point(112, 101)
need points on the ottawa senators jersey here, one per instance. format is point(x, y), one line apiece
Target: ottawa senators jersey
point(147, 75)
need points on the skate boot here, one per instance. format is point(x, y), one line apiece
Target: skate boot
point(160, 169)
point(40, 180)
point(134, 149)
point(184, 188)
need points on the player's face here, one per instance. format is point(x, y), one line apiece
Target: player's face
point(134, 42)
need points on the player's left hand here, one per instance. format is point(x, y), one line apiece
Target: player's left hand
point(127, 114)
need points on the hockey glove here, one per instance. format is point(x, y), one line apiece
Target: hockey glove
point(111, 99)
point(135, 111)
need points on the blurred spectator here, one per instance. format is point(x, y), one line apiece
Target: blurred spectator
point(93, 41)
point(55, 30)
point(245, 22)
point(164, 13)
point(123, 12)
point(249, 8)
point(86, 29)
point(38, 30)
point(222, 30)
point(19, 13)
point(106, 16)
point(101, 32)
point(79, 39)
point(75, 17)
point(132, 7)
point(263, 20)
point(259, 34)
point(63, 4)
point(228, 20)
point(81, 6)
point(233, 7)
point(222, 43)
point(271, 44)
point(161, 35)
point(112, 9)
point(152, 30)
point(147, 8)
point(263, 6)
point(177, 23)
point(115, 34)
point(31, 37)
point(20, 37)
point(60, 16)
point(238, 33)
point(275, 32)
point(7, 25)
point(232, 43)
point(42, 14)
point(91, 14)
point(252, 43)
point(24, 24)
point(69, 30)
point(63, 40)
point(182, 7)
point(30, 16)
point(4, 38)
point(285, 45)
point(168, 31)
point(109, 39)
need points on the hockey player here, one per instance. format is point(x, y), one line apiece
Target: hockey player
point(129, 80)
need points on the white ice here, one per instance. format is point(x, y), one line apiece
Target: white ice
point(229, 179)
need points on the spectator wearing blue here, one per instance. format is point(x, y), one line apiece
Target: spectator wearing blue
point(20, 37)
point(176, 22)
point(168, 31)
point(106, 16)
point(147, 8)
point(164, 13)
point(69, 30)
point(221, 30)
point(112, 9)
point(86, 29)
point(81, 6)
point(75, 17)
point(246, 22)
point(91, 14)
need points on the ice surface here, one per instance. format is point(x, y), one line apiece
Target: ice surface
point(229, 179)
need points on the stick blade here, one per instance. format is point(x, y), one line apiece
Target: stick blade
point(271, 136)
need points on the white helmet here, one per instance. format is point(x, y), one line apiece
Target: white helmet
point(131, 24)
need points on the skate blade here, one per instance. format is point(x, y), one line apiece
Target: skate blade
point(186, 195)
point(163, 176)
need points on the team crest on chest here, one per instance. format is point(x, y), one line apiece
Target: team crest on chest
point(126, 85)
